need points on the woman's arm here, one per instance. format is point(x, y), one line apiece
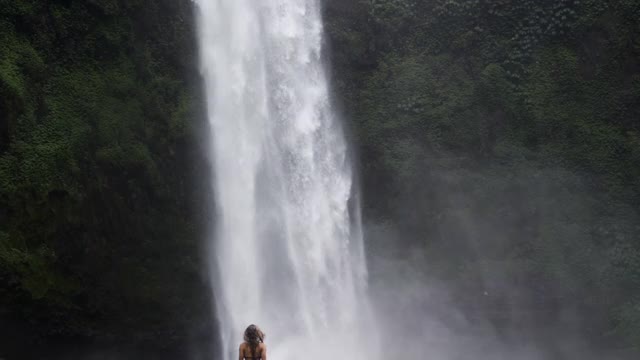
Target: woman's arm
point(264, 351)
point(240, 353)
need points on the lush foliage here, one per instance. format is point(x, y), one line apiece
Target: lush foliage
point(100, 221)
point(501, 138)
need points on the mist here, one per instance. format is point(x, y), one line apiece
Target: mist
point(454, 275)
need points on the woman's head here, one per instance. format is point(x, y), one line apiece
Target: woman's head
point(253, 335)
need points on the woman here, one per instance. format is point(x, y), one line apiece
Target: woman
point(253, 347)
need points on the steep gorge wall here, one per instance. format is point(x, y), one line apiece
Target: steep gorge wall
point(499, 142)
point(104, 192)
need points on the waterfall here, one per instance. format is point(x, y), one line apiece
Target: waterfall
point(287, 250)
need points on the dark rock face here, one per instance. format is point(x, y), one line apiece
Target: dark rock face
point(104, 194)
point(497, 145)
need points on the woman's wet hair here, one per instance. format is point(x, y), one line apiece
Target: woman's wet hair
point(253, 336)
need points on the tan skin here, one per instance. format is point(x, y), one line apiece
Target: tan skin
point(245, 352)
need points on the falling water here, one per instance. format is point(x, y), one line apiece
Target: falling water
point(287, 250)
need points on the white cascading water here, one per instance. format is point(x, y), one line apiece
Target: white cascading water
point(288, 253)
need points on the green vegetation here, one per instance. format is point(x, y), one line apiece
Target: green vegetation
point(100, 203)
point(501, 140)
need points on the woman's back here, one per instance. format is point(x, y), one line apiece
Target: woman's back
point(259, 352)
point(253, 347)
